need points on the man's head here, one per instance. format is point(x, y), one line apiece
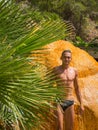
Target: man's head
point(66, 57)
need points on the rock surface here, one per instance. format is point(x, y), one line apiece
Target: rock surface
point(88, 80)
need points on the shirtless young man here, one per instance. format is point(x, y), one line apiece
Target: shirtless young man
point(68, 80)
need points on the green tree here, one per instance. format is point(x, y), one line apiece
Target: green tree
point(71, 10)
point(25, 94)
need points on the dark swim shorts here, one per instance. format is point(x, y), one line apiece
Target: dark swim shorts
point(66, 103)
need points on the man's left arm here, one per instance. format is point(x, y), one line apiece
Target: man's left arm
point(78, 93)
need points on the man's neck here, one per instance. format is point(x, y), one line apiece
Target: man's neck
point(64, 66)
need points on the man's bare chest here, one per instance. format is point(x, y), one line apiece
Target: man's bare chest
point(68, 75)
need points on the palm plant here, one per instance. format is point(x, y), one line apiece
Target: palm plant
point(25, 95)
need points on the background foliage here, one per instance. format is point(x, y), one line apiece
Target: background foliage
point(83, 15)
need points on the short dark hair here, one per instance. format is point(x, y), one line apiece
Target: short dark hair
point(66, 51)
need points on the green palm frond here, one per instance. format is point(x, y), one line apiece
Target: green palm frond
point(25, 94)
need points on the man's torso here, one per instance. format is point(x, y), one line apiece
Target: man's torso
point(65, 79)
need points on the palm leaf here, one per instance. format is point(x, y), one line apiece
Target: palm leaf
point(25, 94)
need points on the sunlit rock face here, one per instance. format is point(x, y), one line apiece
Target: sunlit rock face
point(88, 80)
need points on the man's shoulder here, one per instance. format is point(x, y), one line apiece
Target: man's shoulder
point(74, 69)
point(56, 69)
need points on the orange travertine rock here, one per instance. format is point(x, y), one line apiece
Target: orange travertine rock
point(85, 64)
point(88, 80)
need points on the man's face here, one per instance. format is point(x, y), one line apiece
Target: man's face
point(66, 58)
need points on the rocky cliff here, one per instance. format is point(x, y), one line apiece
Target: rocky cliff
point(88, 80)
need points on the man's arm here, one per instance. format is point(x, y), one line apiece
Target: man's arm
point(78, 93)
